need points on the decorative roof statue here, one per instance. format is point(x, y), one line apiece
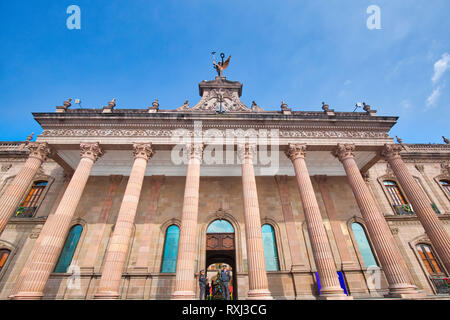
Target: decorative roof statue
point(284, 108)
point(30, 137)
point(366, 107)
point(255, 107)
point(65, 106)
point(399, 140)
point(325, 107)
point(222, 65)
point(110, 106)
point(446, 140)
point(154, 107)
point(184, 107)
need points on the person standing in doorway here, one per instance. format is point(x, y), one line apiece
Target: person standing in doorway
point(202, 279)
point(225, 277)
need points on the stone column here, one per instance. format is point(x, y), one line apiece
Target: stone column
point(323, 257)
point(257, 276)
point(56, 228)
point(120, 241)
point(187, 247)
point(420, 202)
point(346, 259)
point(14, 193)
point(379, 231)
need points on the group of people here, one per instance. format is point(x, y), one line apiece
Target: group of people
point(224, 276)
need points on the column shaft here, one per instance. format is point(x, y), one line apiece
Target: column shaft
point(120, 241)
point(55, 230)
point(421, 204)
point(323, 256)
point(257, 275)
point(379, 231)
point(14, 193)
point(184, 282)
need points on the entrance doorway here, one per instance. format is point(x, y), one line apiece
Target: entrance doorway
point(220, 250)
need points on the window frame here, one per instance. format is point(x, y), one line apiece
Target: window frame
point(387, 193)
point(355, 243)
point(42, 197)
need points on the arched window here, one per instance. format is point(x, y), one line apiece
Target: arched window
point(65, 259)
point(363, 245)
point(169, 263)
point(446, 185)
point(220, 226)
point(395, 193)
point(270, 248)
point(4, 254)
point(428, 258)
point(29, 205)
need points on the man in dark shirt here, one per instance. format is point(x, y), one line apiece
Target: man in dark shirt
point(225, 276)
point(202, 279)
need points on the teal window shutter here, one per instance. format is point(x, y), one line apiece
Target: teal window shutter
point(363, 245)
point(169, 263)
point(65, 259)
point(270, 248)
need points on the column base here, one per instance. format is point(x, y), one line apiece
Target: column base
point(334, 293)
point(26, 296)
point(405, 292)
point(106, 295)
point(183, 295)
point(259, 294)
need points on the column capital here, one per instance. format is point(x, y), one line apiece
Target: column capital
point(246, 151)
point(391, 151)
point(39, 150)
point(143, 150)
point(91, 150)
point(195, 150)
point(344, 151)
point(296, 150)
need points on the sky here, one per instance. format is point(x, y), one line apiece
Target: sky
point(303, 52)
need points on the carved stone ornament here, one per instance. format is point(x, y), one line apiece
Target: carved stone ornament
point(304, 133)
point(6, 167)
point(143, 150)
point(246, 151)
point(39, 150)
point(91, 150)
point(195, 150)
point(220, 91)
point(296, 150)
point(221, 214)
point(420, 167)
point(445, 168)
point(344, 151)
point(391, 151)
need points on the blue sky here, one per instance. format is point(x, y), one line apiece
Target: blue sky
point(303, 52)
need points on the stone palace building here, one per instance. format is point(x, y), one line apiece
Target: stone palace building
point(113, 203)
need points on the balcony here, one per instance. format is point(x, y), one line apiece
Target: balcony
point(403, 209)
point(24, 212)
point(441, 284)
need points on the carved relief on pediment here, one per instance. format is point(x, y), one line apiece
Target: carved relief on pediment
point(228, 98)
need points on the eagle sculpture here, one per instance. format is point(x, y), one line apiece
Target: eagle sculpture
point(222, 65)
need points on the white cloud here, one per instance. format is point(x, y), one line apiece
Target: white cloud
point(440, 67)
point(347, 82)
point(432, 99)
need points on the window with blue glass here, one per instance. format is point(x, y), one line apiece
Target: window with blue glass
point(169, 263)
point(363, 245)
point(270, 248)
point(220, 226)
point(65, 259)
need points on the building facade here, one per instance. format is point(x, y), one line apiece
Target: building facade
point(116, 203)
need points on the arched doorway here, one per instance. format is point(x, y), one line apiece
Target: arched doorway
point(220, 250)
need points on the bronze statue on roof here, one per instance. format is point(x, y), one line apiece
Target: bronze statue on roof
point(222, 65)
